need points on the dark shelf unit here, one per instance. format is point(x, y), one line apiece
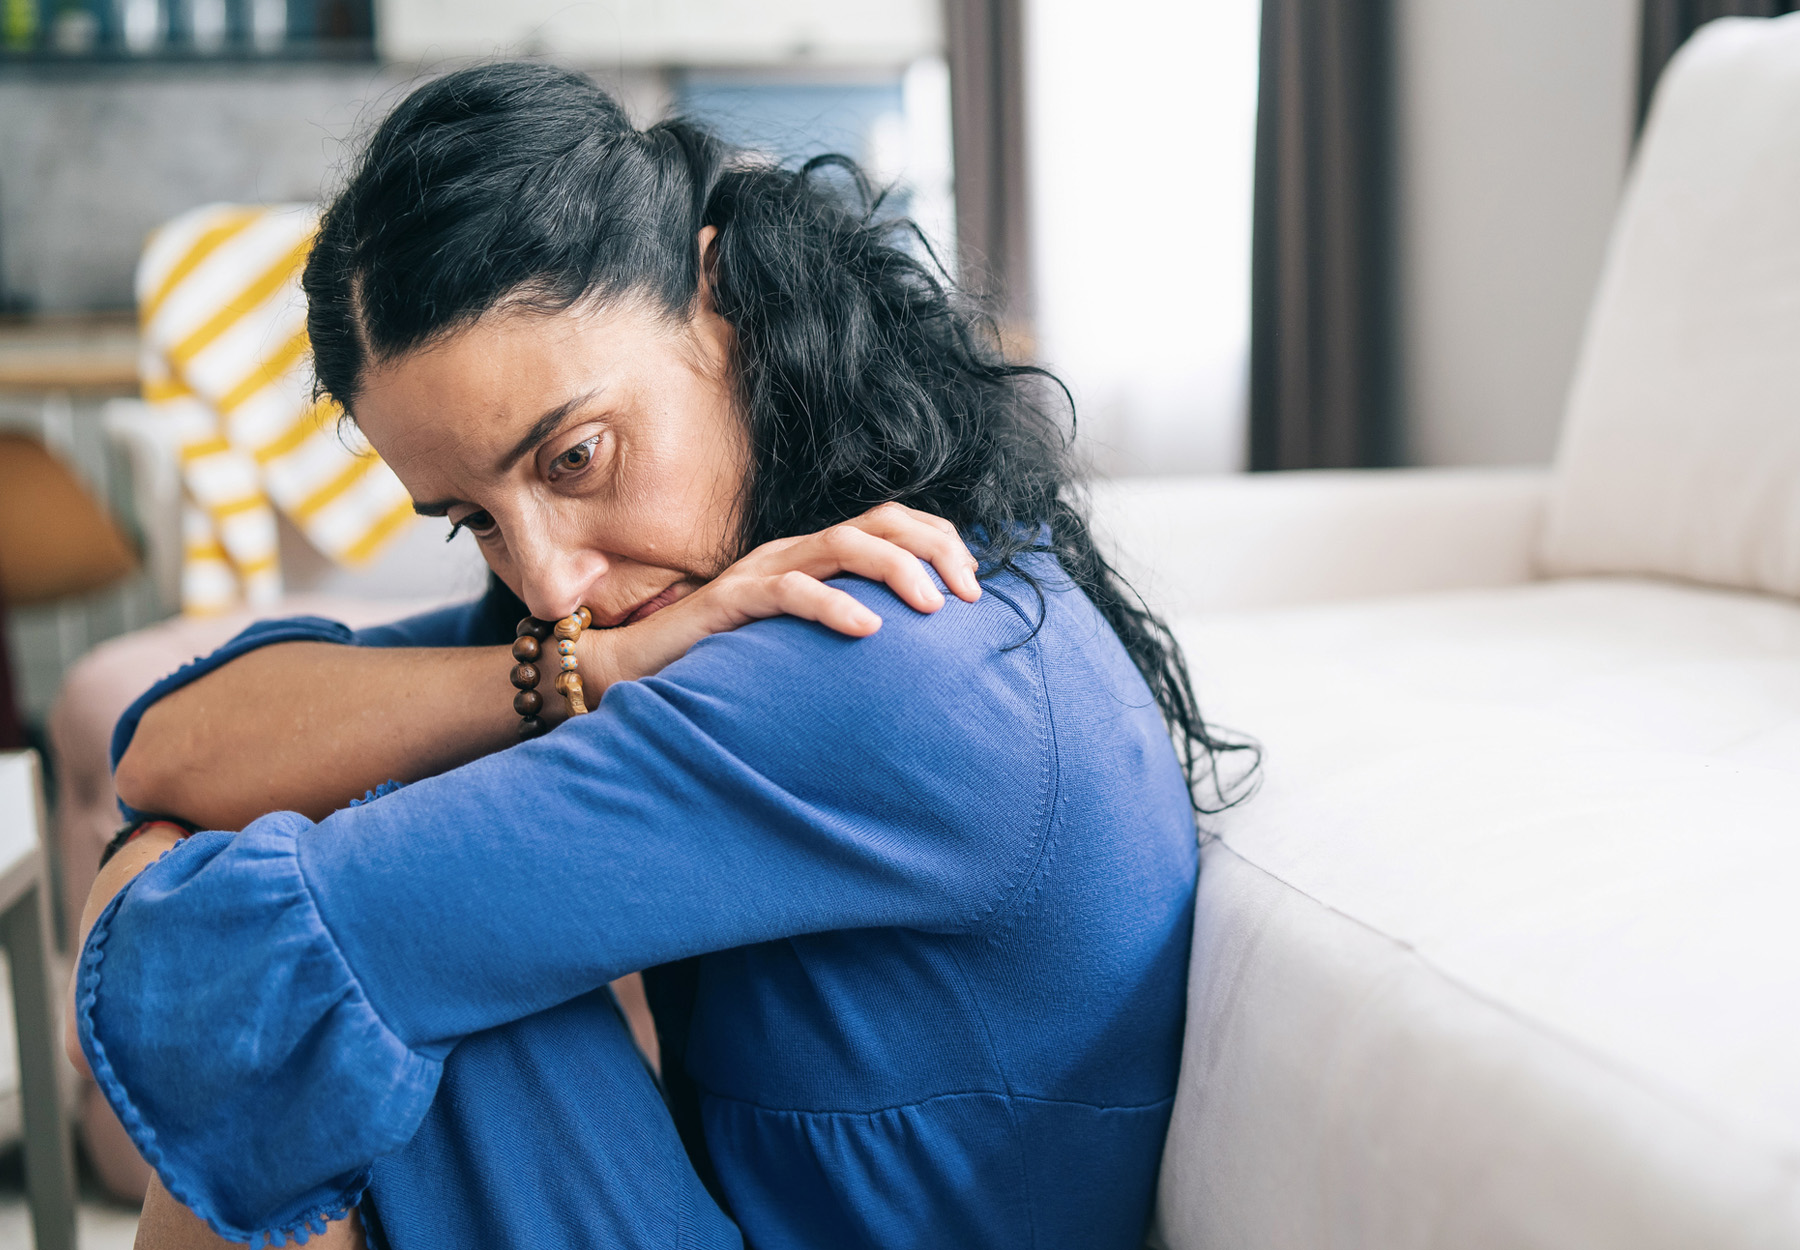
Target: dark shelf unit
point(102, 33)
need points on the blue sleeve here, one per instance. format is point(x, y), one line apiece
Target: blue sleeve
point(484, 622)
point(268, 1012)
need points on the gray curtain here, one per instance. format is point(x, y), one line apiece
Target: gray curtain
point(1320, 287)
point(985, 44)
point(1668, 23)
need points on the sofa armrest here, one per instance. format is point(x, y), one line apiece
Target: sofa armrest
point(1207, 544)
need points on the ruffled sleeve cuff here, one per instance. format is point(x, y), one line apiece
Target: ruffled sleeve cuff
point(236, 1045)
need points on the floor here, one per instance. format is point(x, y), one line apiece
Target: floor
point(101, 1225)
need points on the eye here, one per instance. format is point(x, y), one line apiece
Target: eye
point(575, 459)
point(479, 524)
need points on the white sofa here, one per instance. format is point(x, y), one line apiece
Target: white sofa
point(1506, 952)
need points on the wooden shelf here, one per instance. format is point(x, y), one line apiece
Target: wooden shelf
point(90, 354)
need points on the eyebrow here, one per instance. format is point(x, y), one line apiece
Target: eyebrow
point(543, 428)
point(541, 431)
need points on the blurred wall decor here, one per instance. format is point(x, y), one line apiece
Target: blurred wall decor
point(1139, 165)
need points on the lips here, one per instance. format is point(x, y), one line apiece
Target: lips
point(654, 604)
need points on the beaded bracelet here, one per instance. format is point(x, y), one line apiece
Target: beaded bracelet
point(529, 644)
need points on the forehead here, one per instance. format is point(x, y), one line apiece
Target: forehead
point(479, 387)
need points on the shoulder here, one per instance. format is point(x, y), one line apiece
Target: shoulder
point(948, 707)
point(941, 660)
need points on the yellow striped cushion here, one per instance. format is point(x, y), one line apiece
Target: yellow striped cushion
point(225, 359)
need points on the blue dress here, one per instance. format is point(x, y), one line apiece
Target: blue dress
point(915, 910)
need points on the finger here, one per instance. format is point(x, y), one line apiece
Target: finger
point(849, 549)
point(957, 567)
point(930, 538)
point(898, 511)
point(796, 594)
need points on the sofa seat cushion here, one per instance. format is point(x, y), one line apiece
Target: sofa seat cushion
point(1507, 950)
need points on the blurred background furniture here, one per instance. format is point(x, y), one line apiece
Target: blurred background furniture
point(56, 376)
point(227, 377)
point(36, 982)
point(1505, 953)
point(55, 541)
point(57, 544)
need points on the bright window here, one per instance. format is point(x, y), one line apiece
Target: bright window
point(1142, 126)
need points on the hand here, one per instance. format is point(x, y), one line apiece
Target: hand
point(787, 578)
point(135, 856)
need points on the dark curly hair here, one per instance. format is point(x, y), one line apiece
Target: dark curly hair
point(862, 374)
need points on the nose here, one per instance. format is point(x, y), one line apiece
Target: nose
point(555, 581)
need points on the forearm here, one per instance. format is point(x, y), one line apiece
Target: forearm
point(307, 726)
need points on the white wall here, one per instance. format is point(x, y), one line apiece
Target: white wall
point(1142, 119)
point(1514, 122)
point(90, 163)
point(662, 32)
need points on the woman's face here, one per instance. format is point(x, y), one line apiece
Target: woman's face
point(596, 454)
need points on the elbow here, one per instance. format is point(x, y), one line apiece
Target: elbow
point(132, 779)
point(148, 776)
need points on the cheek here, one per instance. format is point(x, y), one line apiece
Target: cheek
point(683, 482)
point(714, 496)
point(720, 450)
point(500, 561)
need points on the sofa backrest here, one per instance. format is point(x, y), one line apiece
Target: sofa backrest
point(1680, 453)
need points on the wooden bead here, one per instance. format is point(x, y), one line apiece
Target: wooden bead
point(528, 703)
point(526, 648)
point(568, 681)
point(569, 627)
point(587, 617)
point(531, 627)
point(531, 727)
point(525, 676)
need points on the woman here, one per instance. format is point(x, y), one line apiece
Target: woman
point(911, 878)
